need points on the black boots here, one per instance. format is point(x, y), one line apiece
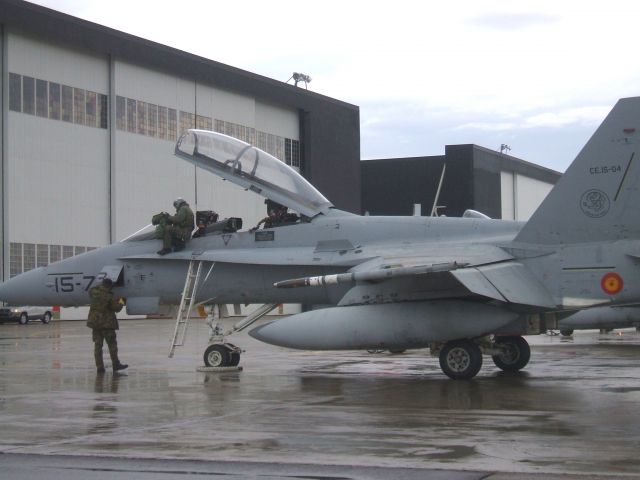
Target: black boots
point(120, 366)
point(164, 251)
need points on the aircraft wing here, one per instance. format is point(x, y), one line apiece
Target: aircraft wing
point(478, 271)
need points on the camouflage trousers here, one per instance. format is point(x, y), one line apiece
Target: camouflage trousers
point(108, 335)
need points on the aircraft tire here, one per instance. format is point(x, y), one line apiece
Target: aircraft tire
point(46, 318)
point(235, 359)
point(217, 355)
point(24, 319)
point(460, 359)
point(566, 333)
point(517, 356)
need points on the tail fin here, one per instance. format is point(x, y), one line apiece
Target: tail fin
point(598, 197)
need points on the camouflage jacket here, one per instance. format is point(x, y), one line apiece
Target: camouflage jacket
point(102, 313)
point(183, 219)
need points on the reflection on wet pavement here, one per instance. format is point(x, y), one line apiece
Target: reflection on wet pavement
point(574, 408)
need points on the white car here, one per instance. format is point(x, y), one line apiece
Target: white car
point(23, 314)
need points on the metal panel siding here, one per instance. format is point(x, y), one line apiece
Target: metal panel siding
point(59, 181)
point(277, 120)
point(331, 154)
point(74, 67)
point(531, 193)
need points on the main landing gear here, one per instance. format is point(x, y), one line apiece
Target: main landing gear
point(462, 359)
point(220, 353)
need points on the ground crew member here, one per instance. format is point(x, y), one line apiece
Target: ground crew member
point(175, 230)
point(103, 322)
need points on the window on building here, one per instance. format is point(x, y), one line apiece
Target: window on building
point(67, 251)
point(91, 109)
point(204, 123)
point(187, 121)
point(103, 111)
point(42, 255)
point(121, 113)
point(218, 126)
point(67, 103)
point(15, 92)
point(142, 118)
point(78, 250)
point(162, 122)
point(261, 140)
point(152, 119)
point(295, 153)
point(54, 101)
point(28, 256)
point(15, 259)
point(173, 125)
point(55, 253)
point(79, 109)
point(28, 95)
point(132, 117)
point(42, 100)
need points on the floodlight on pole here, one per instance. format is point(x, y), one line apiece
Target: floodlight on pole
point(504, 148)
point(300, 77)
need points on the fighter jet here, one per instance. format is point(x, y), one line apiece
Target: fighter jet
point(462, 287)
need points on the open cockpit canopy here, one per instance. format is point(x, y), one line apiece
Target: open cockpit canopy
point(252, 169)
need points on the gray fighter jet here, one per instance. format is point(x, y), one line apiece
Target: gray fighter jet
point(460, 286)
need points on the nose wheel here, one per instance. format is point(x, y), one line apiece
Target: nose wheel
point(222, 355)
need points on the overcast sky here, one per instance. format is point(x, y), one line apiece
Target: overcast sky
point(538, 75)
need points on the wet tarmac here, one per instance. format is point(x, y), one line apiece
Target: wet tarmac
point(293, 414)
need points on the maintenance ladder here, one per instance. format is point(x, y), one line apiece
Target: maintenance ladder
point(186, 304)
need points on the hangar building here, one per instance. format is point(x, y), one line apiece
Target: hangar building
point(90, 117)
point(498, 185)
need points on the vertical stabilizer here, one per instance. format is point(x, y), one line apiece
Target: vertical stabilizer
point(598, 197)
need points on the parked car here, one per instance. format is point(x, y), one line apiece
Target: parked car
point(24, 314)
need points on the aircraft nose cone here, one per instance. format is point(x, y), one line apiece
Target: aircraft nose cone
point(23, 289)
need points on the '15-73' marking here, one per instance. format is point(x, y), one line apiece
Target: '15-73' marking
point(65, 283)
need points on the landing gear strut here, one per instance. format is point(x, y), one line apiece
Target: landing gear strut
point(220, 353)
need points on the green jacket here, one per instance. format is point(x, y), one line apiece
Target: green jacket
point(102, 313)
point(183, 219)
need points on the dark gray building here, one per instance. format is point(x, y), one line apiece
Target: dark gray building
point(493, 183)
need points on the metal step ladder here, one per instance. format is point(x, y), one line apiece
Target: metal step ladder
point(186, 304)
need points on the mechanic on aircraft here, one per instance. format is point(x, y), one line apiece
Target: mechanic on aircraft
point(175, 230)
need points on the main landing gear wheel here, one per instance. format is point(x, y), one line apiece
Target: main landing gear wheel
point(218, 355)
point(566, 333)
point(23, 319)
point(515, 356)
point(460, 359)
point(46, 318)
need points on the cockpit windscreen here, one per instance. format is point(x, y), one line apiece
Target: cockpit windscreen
point(251, 168)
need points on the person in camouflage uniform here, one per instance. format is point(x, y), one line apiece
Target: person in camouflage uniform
point(103, 323)
point(175, 230)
